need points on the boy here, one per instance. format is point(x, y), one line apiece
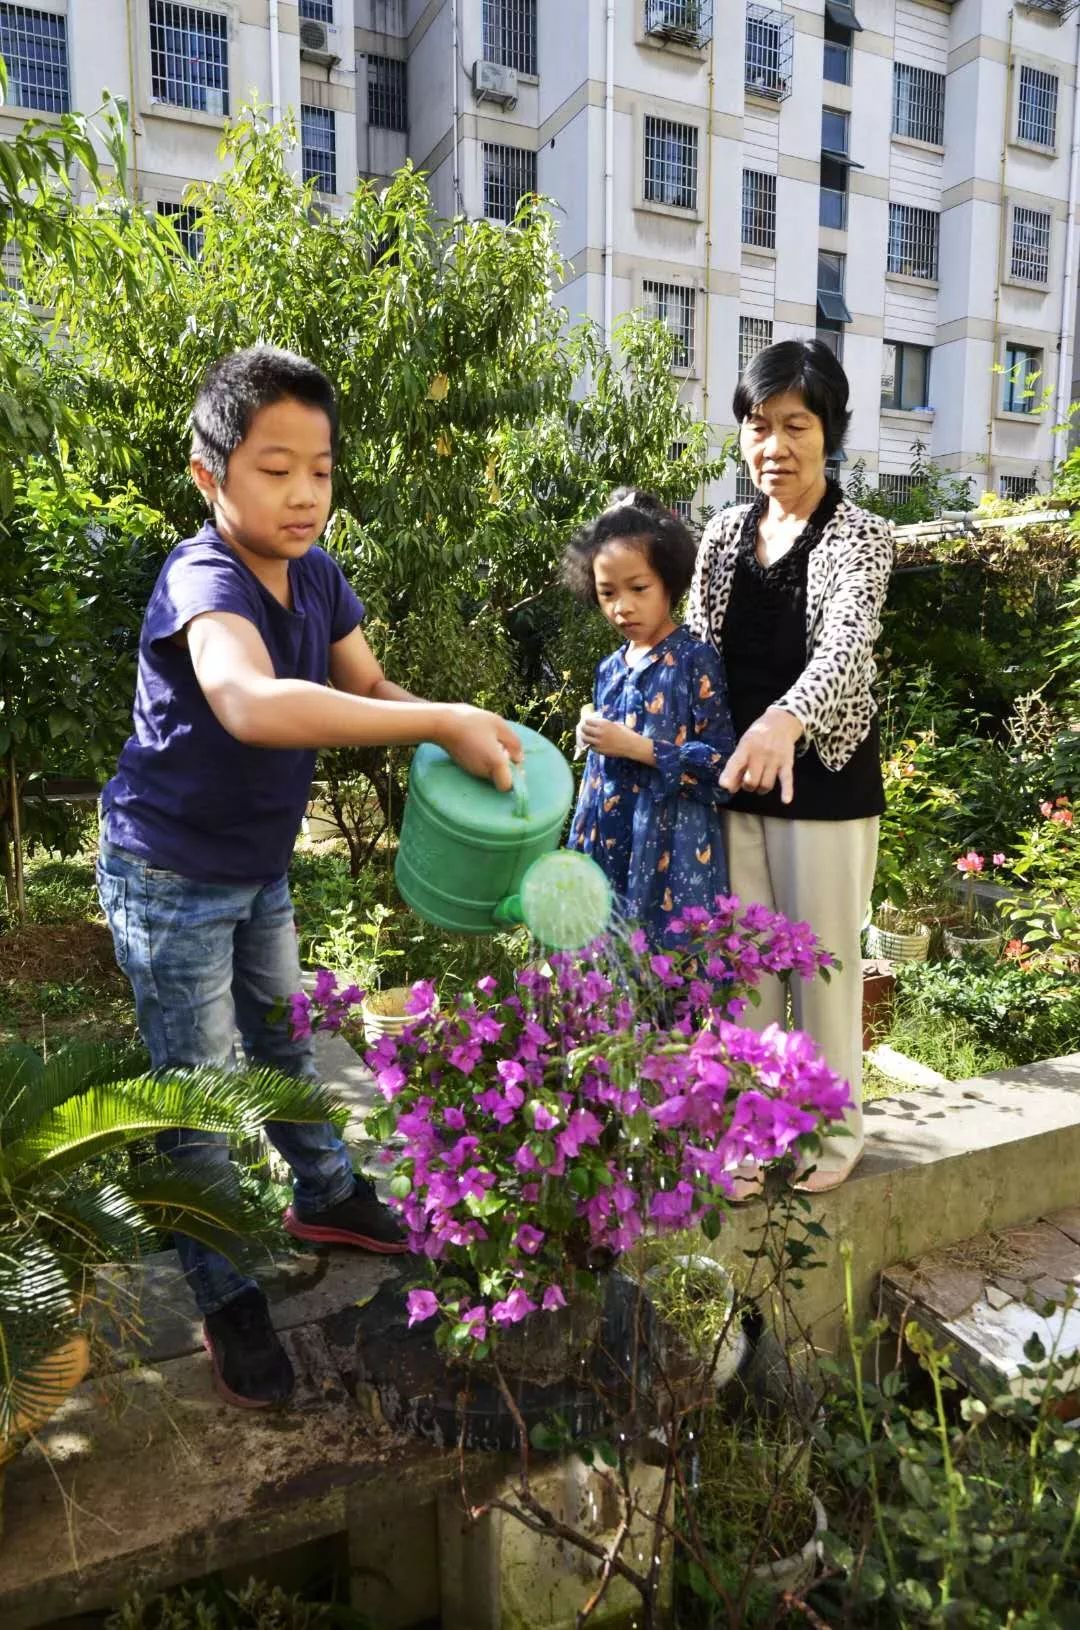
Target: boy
point(246, 625)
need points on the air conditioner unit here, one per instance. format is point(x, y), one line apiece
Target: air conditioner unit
point(492, 82)
point(315, 44)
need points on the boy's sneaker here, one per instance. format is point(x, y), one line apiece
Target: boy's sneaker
point(360, 1219)
point(251, 1367)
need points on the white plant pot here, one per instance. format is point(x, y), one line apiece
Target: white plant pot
point(966, 945)
point(383, 1013)
point(895, 947)
point(795, 1572)
point(734, 1344)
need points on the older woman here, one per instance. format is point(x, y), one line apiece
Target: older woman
point(789, 589)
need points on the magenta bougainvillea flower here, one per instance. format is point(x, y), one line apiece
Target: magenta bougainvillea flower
point(539, 1129)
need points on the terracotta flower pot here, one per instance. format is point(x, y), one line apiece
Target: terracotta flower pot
point(878, 1000)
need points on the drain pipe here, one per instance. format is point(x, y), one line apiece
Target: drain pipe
point(995, 384)
point(275, 61)
point(133, 99)
point(1068, 285)
point(609, 172)
point(456, 157)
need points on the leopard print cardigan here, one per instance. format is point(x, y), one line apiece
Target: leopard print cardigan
point(847, 579)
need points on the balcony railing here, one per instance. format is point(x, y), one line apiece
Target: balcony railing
point(687, 22)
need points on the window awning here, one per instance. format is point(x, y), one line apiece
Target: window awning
point(840, 158)
point(832, 307)
point(840, 13)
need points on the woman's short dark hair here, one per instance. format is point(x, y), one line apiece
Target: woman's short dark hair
point(631, 514)
point(806, 366)
point(239, 385)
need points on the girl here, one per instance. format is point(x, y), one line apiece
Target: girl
point(659, 732)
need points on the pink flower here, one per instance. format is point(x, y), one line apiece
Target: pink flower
point(1046, 808)
point(421, 1000)
point(422, 1304)
point(582, 1128)
point(552, 1298)
point(529, 1238)
point(971, 862)
point(998, 859)
point(516, 1307)
point(476, 1320)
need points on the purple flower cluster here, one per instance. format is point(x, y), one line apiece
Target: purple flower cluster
point(549, 1126)
point(325, 1009)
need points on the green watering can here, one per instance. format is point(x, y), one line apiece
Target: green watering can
point(473, 859)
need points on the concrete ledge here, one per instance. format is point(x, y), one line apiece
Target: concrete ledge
point(941, 1164)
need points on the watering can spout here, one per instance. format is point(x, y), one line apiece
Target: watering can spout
point(564, 901)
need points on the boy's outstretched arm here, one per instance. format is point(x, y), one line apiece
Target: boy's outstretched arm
point(355, 668)
point(235, 674)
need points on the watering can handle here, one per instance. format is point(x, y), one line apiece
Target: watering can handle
point(519, 790)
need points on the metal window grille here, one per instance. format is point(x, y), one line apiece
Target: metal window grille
point(759, 209)
point(34, 46)
point(745, 492)
point(682, 506)
point(769, 52)
point(832, 209)
point(837, 64)
point(189, 56)
point(913, 242)
point(317, 11)
point(1029, 259)
point(184, 219)
point(318, 147)
point(509, 174)
point(897, 488)
point(688, 21)
point(1036, 107)
point(755, 333)
point(918, 103)
point(11, 265)
point(1017, 487)
point(675, 305)
point(509, 28)
point(1022, 372)
point(387, 94)
point(671, 163)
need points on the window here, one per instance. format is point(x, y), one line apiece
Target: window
point(510, 34)
point(831, 305)
point(671, 159)
point(189, 57)
point(913, 242)
point(317, 11)
point(509, 175)
point(837, 62)
point(745, 491)
point(1029, 257)
point(387, 99)
point(688, 21)
point(768, 52)
point(759, 209)
point(834, 131)
point(1036, 107)
point(905, 376)
point(1022, 373)
point(673, 304)
point(318, 147)
point(10, 267)
point(755, 333)
point(831, 335)
point(832, 208)
point(184, 219)
point(897, 488)
point(1016, 487)
point(918, 104)
point(34, 46)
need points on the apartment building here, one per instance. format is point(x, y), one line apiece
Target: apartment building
point(900, 177)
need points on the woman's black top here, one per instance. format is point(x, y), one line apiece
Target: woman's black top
point(764, 644)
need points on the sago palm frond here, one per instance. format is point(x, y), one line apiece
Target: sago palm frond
point(91, 1226)
point(31, 1086)
point(201, 1201)
point(207, 1099)
point(37, 1314)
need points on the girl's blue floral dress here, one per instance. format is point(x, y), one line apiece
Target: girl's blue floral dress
point(655, 829)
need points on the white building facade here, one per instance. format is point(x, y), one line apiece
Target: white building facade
point(900, 177)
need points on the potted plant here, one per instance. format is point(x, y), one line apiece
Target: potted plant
point(897, 935)
point(700, 1335)
point(61, 1216)
point(973, 936)
point(546, 1125)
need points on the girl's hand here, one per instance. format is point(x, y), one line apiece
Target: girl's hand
point(765, 753)
point(615, 740)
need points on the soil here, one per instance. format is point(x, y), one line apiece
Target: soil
point(59, 954)
point(60, 981)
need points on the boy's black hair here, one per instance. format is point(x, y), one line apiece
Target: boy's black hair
point(806, 366)
point(237, 386)
point(632, 514)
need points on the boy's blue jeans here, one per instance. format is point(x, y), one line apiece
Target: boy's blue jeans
point(206, 960)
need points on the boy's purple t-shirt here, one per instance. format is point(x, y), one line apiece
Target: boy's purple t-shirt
point(187, 796)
